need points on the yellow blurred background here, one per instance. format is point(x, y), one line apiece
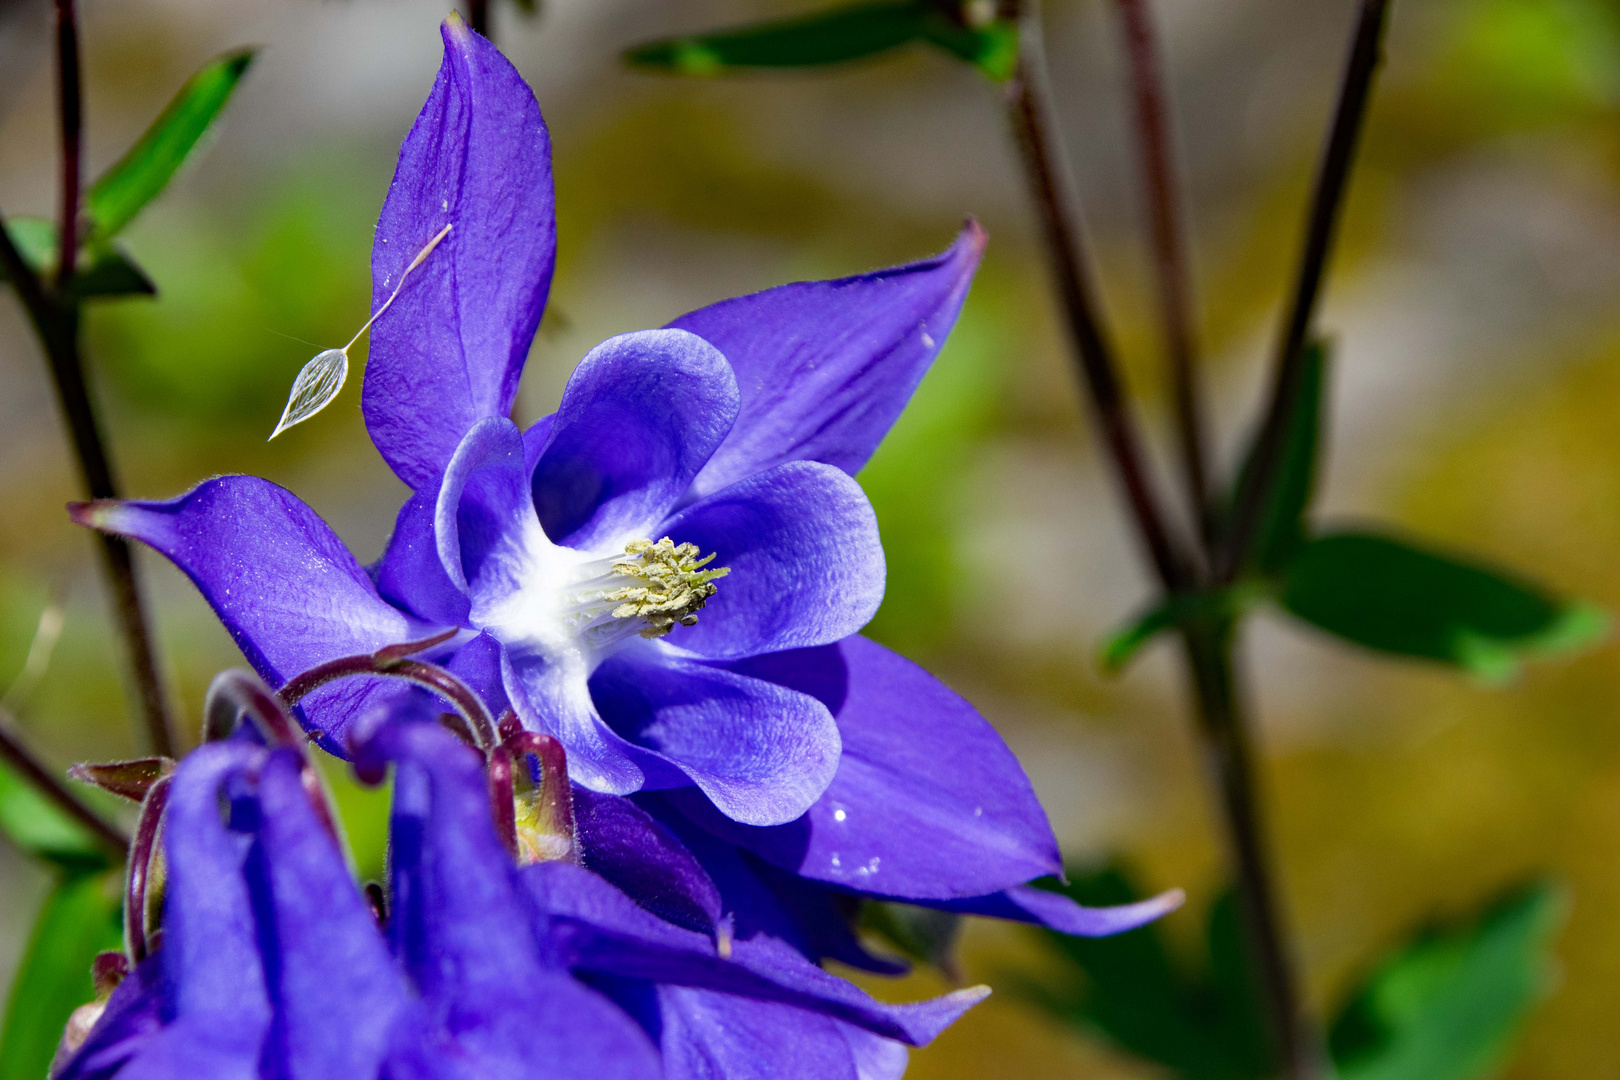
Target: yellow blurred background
point(1473, 401)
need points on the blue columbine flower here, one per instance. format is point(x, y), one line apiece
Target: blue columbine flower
point(272, 963)
point(742, 752)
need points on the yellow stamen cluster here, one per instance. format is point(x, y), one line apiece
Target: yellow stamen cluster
point(670, 587)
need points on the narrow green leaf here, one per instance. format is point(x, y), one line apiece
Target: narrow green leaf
point(827, 37)
point(35, 240)
point(1228, 604)
point(36, 825)
point(1282, 526)
point(993, 49)
point(1121, 647)
point(103, 272)
point(1447, 1005)
point(1398, 598)
point(108, 272)
point(80, 919)
point(142, 173)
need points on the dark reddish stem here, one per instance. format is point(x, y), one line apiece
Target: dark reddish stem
point(478, 16)
point(236, 692)
point(1029, 108)
point(239, 692)
point(138, 873)
point(1154, 143)
point(1209, 647)
point(501, 797)
point(54, 313)
point(69, 89)
point(427, 676)
point(1327, 202)
point(20, 758)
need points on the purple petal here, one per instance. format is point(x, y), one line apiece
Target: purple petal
point(876, 1058)
point(219, 1010)
point(331, 960)
point(928, 802)
point(760, 752)
point(707, 1035)
point(825, 367)
point(1026, 903)
point(556, 701)
point(812, 918)
point(409, 575)
point(641, 415)
point(625, 845)
point(449, 351)
point(132, 1019)
point(478, 664)
point(806, 563)
point(594, 927)
point(484, 523)
point(462, 921)
point(291, 595)
point(489, 542)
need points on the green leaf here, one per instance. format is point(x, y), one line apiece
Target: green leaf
point(80, 919)
point(104, 270)
point(1281, 528)
point(993, 48)
point(1402, 599)
point(1217, 605)
point(1447, 1005)
point(142, 173)
point(1197, 1020)
point(1121, 647)
point(828, 37)
point(36, 825)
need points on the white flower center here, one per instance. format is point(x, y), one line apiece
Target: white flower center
point(578, 609)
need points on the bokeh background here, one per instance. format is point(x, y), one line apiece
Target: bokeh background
point(1473, 402)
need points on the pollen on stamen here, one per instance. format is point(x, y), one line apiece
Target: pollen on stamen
point(670, 584)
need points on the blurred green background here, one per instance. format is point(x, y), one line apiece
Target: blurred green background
point(1477, 381)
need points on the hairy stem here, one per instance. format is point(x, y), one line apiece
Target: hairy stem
point(24, 762)
point(1170, 261)
point(1030, 112)
point(1327, 200)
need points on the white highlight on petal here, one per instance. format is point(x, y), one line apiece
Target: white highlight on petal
point(320, 380)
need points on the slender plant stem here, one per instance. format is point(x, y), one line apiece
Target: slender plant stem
point(57, 327)
point(69, 91)
point(1030, 112)
point(1169, 252)
point(1209, 647)
point(23, 761)
point(478, 16)
point(54, 312)
point(1327, 200)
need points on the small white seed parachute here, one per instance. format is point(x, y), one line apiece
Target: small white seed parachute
point(320, 380)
